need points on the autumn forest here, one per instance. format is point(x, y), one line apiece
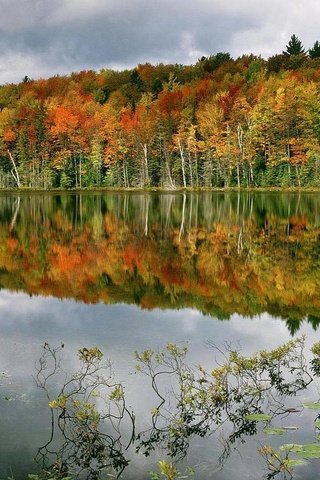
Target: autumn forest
point(221, 122)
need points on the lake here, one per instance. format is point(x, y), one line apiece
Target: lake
point(126, 272)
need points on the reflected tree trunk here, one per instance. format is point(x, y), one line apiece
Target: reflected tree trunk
point(168, 213)
point(182, 216)
point(15, 214)
point(146, 215)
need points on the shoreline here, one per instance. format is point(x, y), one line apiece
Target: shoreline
point(27, 190)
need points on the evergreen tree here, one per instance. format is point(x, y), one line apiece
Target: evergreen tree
point(294, 46)
point(314, 52)
point(211, 63)
point(135, 80)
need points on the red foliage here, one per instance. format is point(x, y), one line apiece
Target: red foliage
point(170, 102)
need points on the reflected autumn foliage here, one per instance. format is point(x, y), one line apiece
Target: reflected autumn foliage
point(221, 253)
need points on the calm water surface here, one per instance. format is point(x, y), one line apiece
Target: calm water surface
point(128, 272)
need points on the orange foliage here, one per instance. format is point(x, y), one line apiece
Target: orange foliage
point(170, 103)
point(9, 135)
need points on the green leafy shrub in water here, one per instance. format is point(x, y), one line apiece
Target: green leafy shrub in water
point(191, 404)
point(169, 472)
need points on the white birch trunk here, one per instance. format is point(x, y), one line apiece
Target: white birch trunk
point(14, 172)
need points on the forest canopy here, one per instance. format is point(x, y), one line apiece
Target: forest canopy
point(221, 122)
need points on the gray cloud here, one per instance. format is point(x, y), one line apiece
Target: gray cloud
point(45, 37)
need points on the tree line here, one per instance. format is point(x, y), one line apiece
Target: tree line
point(221, 122)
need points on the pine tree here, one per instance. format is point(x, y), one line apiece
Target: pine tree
point(294, 46)
point(314, 52)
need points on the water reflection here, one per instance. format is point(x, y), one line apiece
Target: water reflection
point(91, 410)
point(221, 253)
point(118, 330)
point(127, 272)
point(94, 429)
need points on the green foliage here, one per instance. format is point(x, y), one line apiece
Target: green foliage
point(279, 461)
point(310, 451)
point(312, 405)
point(90, 355)
point(317, 424)
point(256, 67)
point(314, 52)
point(276, 63)
point(211, 63)
point(274, 431)
point(315, 362)
point(294, 46)
point(65, 180)
point(258, 417)
point(169, 472)
point(236, 391)
point(199, 401)
point(48, 475)
point(75, 414)
point(135, 80)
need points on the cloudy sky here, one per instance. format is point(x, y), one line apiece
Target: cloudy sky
point(40, 38)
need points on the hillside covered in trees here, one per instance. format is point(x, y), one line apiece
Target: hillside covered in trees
point(219, 123)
